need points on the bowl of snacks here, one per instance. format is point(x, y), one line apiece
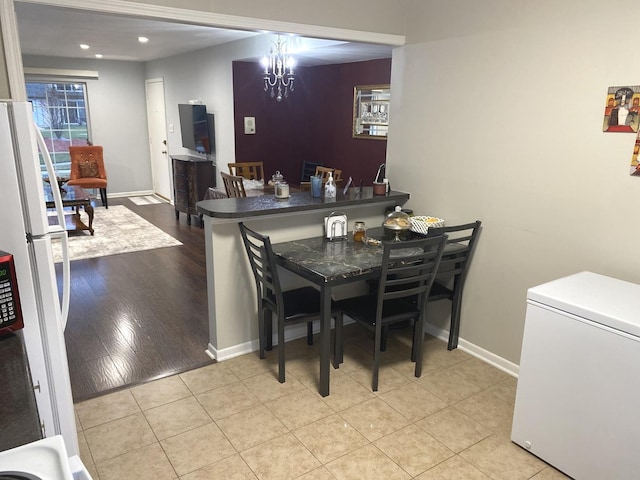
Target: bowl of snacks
point(422, 223)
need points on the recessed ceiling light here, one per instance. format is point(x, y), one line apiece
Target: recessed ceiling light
point(84, 46)
point(98, 55)
point(143, 39)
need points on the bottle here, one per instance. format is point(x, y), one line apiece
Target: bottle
point(359, 232)
point(330, 187)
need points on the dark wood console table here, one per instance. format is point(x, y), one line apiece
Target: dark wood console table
point(192, 177)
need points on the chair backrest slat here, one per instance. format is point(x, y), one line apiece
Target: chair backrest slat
point(248, 170)
point(409, 269)
point(263, 264)
point(461, 243)
point(233, 185)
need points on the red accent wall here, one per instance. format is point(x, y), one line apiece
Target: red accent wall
point(313, 124)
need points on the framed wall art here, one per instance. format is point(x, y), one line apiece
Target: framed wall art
point(371, 111)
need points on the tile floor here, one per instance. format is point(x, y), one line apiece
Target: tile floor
point(233, 420)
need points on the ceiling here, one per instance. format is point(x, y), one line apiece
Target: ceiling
point(55, 31)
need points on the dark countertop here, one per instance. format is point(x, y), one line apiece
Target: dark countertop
point(19, 420)
point(236, 208)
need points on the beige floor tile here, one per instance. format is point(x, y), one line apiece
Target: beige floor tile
point(78, 424)
point(550, 473)
point(85, 453)
point(208, 378)
point(455, 468)
point(330, 438)
point(197, 448)
point(388, 377)
point(177, 417)
point(506, 390)
point(479, 373)
point(448, 386)
point(374, 419)
point(106, 408)
point(487, 409)
point(225, 401)
point(246, 366)
point(502, 460)
point(318, 474)
point(93, 471)
point(299, 408)
point(435, 352)
point(146, 463)
point(305, 370)
point(160, 392)
point(413, 401)
point(282, 458)
point(267, 387)
point(344, 392)
point(366, 463)
point(118, 437)
point(454, 429)
point(251, 427)
point(230, 468)
point(413, 449)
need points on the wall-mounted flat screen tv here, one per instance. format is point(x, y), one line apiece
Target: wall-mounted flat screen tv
point(194, 127)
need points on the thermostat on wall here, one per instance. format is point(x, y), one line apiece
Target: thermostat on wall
point(249, 125)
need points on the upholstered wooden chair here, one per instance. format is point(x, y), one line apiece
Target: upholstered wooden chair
point(87, 169)
point(248, 170)
point(233, 185)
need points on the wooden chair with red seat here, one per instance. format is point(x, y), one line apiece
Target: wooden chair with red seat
point(87, 169)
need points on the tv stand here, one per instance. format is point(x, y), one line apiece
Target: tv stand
point(192, 176)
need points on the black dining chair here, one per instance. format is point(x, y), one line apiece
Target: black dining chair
point(408, 271)
point(291, 307)
point(449, 283)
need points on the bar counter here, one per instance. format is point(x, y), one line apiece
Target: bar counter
point(235, 208)
point(232, 307)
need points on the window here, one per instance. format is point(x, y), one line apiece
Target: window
point(59, 110)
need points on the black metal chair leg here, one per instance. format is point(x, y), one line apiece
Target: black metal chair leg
point(309, 333)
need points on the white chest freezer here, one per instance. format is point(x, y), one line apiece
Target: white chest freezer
point(578, 396)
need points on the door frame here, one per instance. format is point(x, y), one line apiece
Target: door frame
point(156, 166)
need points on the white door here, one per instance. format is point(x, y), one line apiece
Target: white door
point(156, 119)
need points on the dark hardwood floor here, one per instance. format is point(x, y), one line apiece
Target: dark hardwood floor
point(139, 316)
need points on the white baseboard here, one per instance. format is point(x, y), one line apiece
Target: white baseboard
point(300, 331)
point(478, 352)
point(140, 193)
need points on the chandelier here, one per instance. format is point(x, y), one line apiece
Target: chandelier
point(278, 71)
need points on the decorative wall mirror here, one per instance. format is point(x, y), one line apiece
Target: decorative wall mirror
point(371, 111)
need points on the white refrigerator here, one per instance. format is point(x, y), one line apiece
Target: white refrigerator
point(25, 233)
point(578, 396)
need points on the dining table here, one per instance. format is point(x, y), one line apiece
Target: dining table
point(329, 264)
point(332, 263)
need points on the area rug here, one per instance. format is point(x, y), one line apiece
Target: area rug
point(116, 230)
point(146, 200)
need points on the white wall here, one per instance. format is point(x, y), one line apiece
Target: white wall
point(117, 110)
point(499, 118)
point(205, 75)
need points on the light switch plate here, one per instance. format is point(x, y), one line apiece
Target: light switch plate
point(249, 125)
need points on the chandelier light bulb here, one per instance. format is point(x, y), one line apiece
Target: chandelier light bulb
point(278, 71)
